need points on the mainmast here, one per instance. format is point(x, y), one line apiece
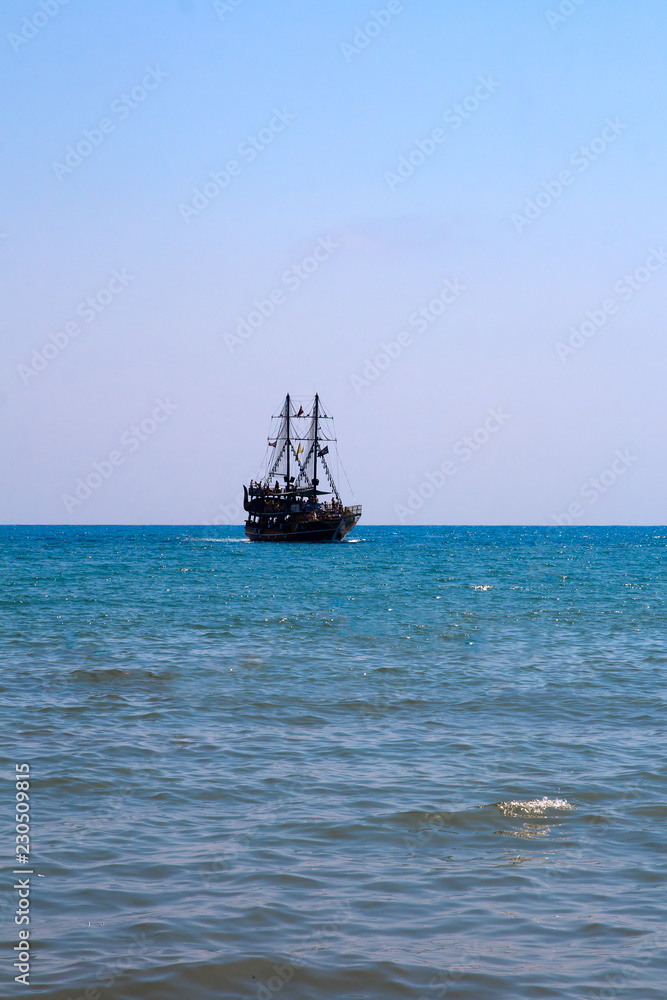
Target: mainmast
point(316, 446)
point(287, 408)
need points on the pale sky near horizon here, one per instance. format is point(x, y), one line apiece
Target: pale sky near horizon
point(470, 195)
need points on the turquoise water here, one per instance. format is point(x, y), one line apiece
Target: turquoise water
point(423, 763)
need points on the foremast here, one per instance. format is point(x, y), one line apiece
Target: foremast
point(289, 443)
point(286, 450)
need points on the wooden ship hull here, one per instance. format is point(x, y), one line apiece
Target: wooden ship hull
point(296, 528)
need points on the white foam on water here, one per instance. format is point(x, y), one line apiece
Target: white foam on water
point(231, 541)
point(481, 586)
point(533, 807)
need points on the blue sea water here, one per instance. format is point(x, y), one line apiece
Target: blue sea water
point(422, 763)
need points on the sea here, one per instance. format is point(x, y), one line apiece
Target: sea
point(423, 763)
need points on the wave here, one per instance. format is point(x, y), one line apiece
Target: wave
point(310, 973)
point(533, 807)
point(231, 541)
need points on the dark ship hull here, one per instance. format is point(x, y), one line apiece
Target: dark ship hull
point(335, 529)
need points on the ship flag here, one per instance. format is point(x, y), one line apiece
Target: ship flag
point(300, 413)
point(324, 451)
point(272, 444)
point(299, 450)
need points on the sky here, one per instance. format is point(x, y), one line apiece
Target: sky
point(447, 219)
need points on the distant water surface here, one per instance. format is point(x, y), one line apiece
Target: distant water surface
point(423, 763)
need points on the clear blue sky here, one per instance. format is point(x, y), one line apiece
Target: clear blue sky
point(338, 98)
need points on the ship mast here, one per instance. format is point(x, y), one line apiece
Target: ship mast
point(316, 446)
point(287, 407)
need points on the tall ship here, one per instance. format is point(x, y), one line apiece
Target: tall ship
point(286, 504)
